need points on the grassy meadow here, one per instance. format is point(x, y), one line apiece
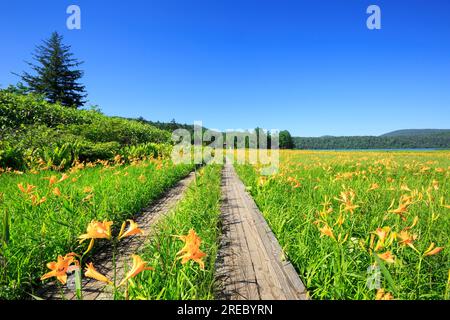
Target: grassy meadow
point(344, 216)
point(44, 212)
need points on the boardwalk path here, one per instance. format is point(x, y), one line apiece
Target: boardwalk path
point(251, 264)
point(95, 290)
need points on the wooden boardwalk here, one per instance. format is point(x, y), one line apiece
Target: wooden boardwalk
point(251, 263)
point(95, 290)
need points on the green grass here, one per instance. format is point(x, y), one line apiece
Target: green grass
point(33, 235)
point(292, 201)
point(199, 210)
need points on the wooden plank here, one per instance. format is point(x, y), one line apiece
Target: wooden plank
point(251, 263)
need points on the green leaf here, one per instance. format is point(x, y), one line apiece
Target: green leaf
point(386, 274)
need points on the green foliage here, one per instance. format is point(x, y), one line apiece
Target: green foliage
point(17, 110)
point(33, 130)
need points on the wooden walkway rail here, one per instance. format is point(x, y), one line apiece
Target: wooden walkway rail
point(251, 263)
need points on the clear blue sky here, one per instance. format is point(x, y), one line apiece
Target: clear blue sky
point(311, 67)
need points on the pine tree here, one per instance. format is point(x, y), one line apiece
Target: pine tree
point(56, 74)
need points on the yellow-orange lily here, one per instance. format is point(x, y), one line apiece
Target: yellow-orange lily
point(327, 231)
point(28, 190)
point(35, 201)
point(51, 180)
point(57, 192)
point(382, 234)
point(92, 273)
point(407, 239)
point(139, 265)
point(60, 267)
point(431, 251)
point(382, 295)
point(387, 256)
point(191, 249)
point(97, 230)
point(63, 177)
point(133, 229)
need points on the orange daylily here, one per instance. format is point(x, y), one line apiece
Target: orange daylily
point(29, 188)
point(407, 239)
point(133, 229)
point(346, 198)
point(57, 192)
point(97, 230)
point(191, 249)
point(382, 295)
point(327, 231)
point(387, 256)
point(430, 251)
point(35, 201)
point(374, 186)
point(92, 273)
point(61, 267)
point(139, 265)
point(51, 180)
point(63, 177)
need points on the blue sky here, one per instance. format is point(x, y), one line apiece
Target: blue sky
point(311, 67)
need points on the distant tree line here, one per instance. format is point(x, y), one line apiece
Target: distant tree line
point(438, 141)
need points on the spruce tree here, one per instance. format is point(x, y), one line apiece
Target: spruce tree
point(56, 75)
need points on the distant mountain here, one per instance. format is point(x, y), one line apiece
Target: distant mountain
point(415, 132)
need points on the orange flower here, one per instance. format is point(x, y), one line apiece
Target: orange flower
point(382, 234)
point(51, 180)
point(29, 188)
point(346, 198)
point(387, 256)
point(57, 192)
point(97, 230)
point(133, 229)
point(191, 249)
point(430, 251)
point(374, 186)
point(61, 267)
point(138, 266)
point(327, 231)
point(63, 177)
point(92, 273)
point(35, 201)
point(407, 239)
point(382, 295)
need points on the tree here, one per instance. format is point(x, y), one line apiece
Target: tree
point(286, 141)
point(56, 73)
